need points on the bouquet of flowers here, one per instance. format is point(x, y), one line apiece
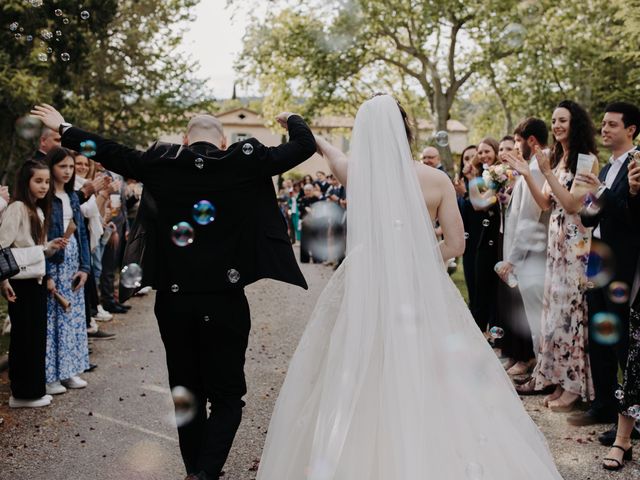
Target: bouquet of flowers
point(498, 177)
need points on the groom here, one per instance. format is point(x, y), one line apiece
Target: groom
point(200, 259)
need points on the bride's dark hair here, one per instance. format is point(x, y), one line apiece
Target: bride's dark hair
point(405, 118)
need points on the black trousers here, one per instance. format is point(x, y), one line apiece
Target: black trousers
point(484, 304)
point(205, 338)
point(90, 297)
point(516, 343)
point(605, 359)
point(28, 345)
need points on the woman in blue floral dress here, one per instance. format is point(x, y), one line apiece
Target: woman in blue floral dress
point(67, 348)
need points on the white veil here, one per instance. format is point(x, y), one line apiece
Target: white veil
point(392, 379)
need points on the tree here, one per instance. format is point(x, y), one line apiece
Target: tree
point(123, 78)
point(337, 51)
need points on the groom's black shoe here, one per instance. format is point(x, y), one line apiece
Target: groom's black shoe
point(591, 417)
point(114, 308)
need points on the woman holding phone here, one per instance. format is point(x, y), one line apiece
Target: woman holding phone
point(67, 270)
point(563, 364)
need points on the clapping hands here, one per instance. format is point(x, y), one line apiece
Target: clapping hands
point(517, 162)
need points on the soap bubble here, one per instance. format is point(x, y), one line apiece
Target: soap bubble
point(496, 332)
point(514, 35)
point(601, 264)
point(131, 276)
point(441, 138)
point(29, 127)
point(65, 57)
point(88, 147)
point(57, 12)
point(605, 328)
point(233, 276)
point(84, 15)
point(247, 149)
point(14, 26)
point(619, 292)
point(65, 21)
point(185, 405)
point(204, 212)
point(43, 57)
point(182, 234)
point(474, 471)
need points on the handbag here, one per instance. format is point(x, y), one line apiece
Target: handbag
point(30, 261)
point(8, 265)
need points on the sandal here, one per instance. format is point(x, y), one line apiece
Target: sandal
point(628, 455)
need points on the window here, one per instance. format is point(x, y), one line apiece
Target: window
point(239, 137)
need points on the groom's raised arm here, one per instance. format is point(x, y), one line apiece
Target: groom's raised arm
point(113, 156)
point(300, 147)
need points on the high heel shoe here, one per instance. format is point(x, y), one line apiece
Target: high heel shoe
point(628, 456)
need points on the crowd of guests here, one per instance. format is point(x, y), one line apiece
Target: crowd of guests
point(315, 213)
point(551, 262)
point(66, 223)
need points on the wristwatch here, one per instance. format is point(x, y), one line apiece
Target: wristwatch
point(63, 127)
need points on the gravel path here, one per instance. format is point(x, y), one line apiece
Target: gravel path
point(118, 427)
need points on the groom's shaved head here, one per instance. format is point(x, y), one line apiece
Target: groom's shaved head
point(205, 128)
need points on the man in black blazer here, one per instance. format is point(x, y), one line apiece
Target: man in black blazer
point(614, 226)
point(200, 275)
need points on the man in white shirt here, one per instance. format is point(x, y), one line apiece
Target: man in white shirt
point(616, 229)
point(524, 244)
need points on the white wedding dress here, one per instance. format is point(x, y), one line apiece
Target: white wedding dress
point(392, 379)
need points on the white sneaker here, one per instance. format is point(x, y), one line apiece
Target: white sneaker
point(74, 382)
point(38, 402)
point(143, 291)
point(55, 388)
point(103, 315)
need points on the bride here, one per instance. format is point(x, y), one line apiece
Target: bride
point(392, 379)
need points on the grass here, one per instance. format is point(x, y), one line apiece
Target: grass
point(458, 279)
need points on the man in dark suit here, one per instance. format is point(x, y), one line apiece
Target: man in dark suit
point(613, 226)
point(49, 139)
point(200, 266)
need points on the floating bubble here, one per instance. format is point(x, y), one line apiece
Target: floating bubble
point(466, 235)
point(514, 35)
point(46, 34)
point(204, 212)
point(619, 394)
point(486, 222)
point(441, 138)
point(474, 471)
point(58, 33)
point(14, 26)
point(325, 216)
point(131, 276)
point(496, 332)
point(49, 50)
point(182, 234)
point(88, 147)
point(601, 264)
point(605, 328)
point(57, 12)
point(36, 3)
point(29, 38)
point(480, 196)
point(199, 163)
point(634, 412)
point(28, 127)
point(65, 57)
point(185, 405)
point(233, 275)
point(247, 149)
point(43, 57)
point(18, 36)
point(65, 21)
point(619, 292)
point(490, 243)
point(84, 15)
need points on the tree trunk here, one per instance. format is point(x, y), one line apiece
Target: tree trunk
point(11, 160)
point(441, 117)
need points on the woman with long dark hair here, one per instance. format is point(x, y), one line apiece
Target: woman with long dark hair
point(67, 271)
point(563, 362)
point(24, 226)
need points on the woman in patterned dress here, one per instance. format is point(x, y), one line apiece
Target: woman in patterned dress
point(67, 270)
point(563, 362)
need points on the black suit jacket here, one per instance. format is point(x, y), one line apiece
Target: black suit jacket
point(619, 228)
point(249, 235)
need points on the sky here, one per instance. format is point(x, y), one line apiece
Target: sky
point(214, 39)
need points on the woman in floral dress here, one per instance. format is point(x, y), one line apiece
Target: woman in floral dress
point(563, 362)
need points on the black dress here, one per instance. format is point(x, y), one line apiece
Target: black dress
point(630, 402)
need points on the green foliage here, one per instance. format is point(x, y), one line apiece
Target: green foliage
point(124, 78)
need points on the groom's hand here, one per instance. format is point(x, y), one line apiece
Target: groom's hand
point(282, 119)
point(48, 115)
